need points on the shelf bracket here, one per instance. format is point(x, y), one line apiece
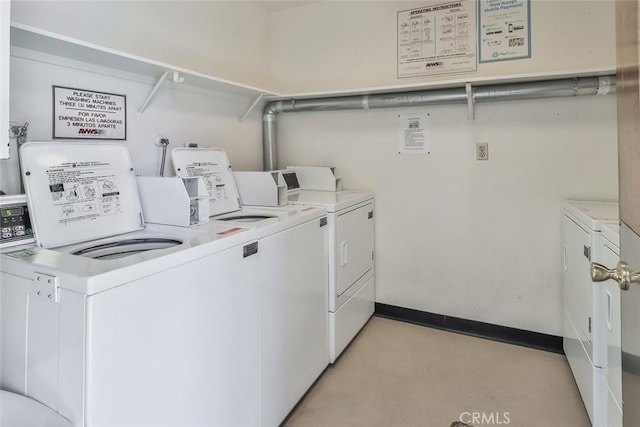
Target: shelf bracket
point(471, 112)
point(250, 109)
point(149, 97)
point(177, 78)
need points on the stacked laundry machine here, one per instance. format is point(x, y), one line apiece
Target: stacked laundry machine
point(591, 311)
point(109, 321)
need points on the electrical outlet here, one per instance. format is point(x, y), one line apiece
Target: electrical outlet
point(482, 151)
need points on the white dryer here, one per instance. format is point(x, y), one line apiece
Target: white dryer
point(585, 304)
point(292, 282)
point(109, 322)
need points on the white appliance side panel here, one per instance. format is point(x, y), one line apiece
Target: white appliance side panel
point(258, 188)
point(613, 327)
point(13, 345)
point(354, 246)
point(42, 351)
point(178, 348)
point(212, 164)
point(577, 284)
point(347, 321)
point(72, 356)
point(294, 347)
point(614, 410)
point(164, 200)
point(580, 364)
point(600, 397)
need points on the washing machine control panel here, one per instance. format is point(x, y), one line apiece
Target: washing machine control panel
point(15, 224)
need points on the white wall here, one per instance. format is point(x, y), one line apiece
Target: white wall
point(345, 45)
point(461, 237)
point(208, 119)
point(228, 39)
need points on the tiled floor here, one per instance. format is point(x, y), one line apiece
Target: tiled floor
point(399, 374)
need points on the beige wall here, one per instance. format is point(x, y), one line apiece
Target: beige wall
point(474, 239)
point(332, 46)
point(208, 119)
point(227, 39)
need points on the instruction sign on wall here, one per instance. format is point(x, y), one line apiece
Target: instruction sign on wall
point(437, 39)
point(413, 136)
point(505, 30)
point(85, 114)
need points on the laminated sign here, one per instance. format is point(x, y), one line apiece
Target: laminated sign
point(85, 114)
point(437, 39)
point(505, 30)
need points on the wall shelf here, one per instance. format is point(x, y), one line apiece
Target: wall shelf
point(35, 39)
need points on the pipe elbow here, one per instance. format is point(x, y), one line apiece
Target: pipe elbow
point(270, 110)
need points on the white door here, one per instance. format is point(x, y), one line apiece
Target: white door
point(5, 18)
point(629, 155)
point(354, 236)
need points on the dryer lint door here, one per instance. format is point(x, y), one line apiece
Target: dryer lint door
point(79, 191)
point(354, 239)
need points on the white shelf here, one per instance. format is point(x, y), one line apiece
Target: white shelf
point(35, 39)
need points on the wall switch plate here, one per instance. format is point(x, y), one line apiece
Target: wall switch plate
point(482, 150)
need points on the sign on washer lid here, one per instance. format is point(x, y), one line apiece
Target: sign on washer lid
point(79, 191)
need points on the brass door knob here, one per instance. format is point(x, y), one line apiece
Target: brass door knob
point(621, 274)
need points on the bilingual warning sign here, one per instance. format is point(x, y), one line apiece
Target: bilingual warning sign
point(85, 114)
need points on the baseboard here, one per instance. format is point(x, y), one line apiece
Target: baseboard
point(490, 331)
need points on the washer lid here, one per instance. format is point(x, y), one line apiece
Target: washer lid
point(334, 201)
point(79, 191)
point(212, 164)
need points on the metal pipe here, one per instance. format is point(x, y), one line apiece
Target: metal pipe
point(164, 143)
point(581, 86)
point(269, 138)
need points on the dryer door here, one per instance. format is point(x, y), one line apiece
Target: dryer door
point(354, 246)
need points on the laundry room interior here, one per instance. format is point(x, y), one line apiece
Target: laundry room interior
point(468, 249)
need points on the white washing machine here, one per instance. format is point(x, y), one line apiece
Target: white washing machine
point(351, 261)
point(111, 323)
point(585, 304)
point(292, 282)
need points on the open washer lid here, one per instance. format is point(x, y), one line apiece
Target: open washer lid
point(79, 191)
point(212, 164)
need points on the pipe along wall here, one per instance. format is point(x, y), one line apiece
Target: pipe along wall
point(579, 86)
